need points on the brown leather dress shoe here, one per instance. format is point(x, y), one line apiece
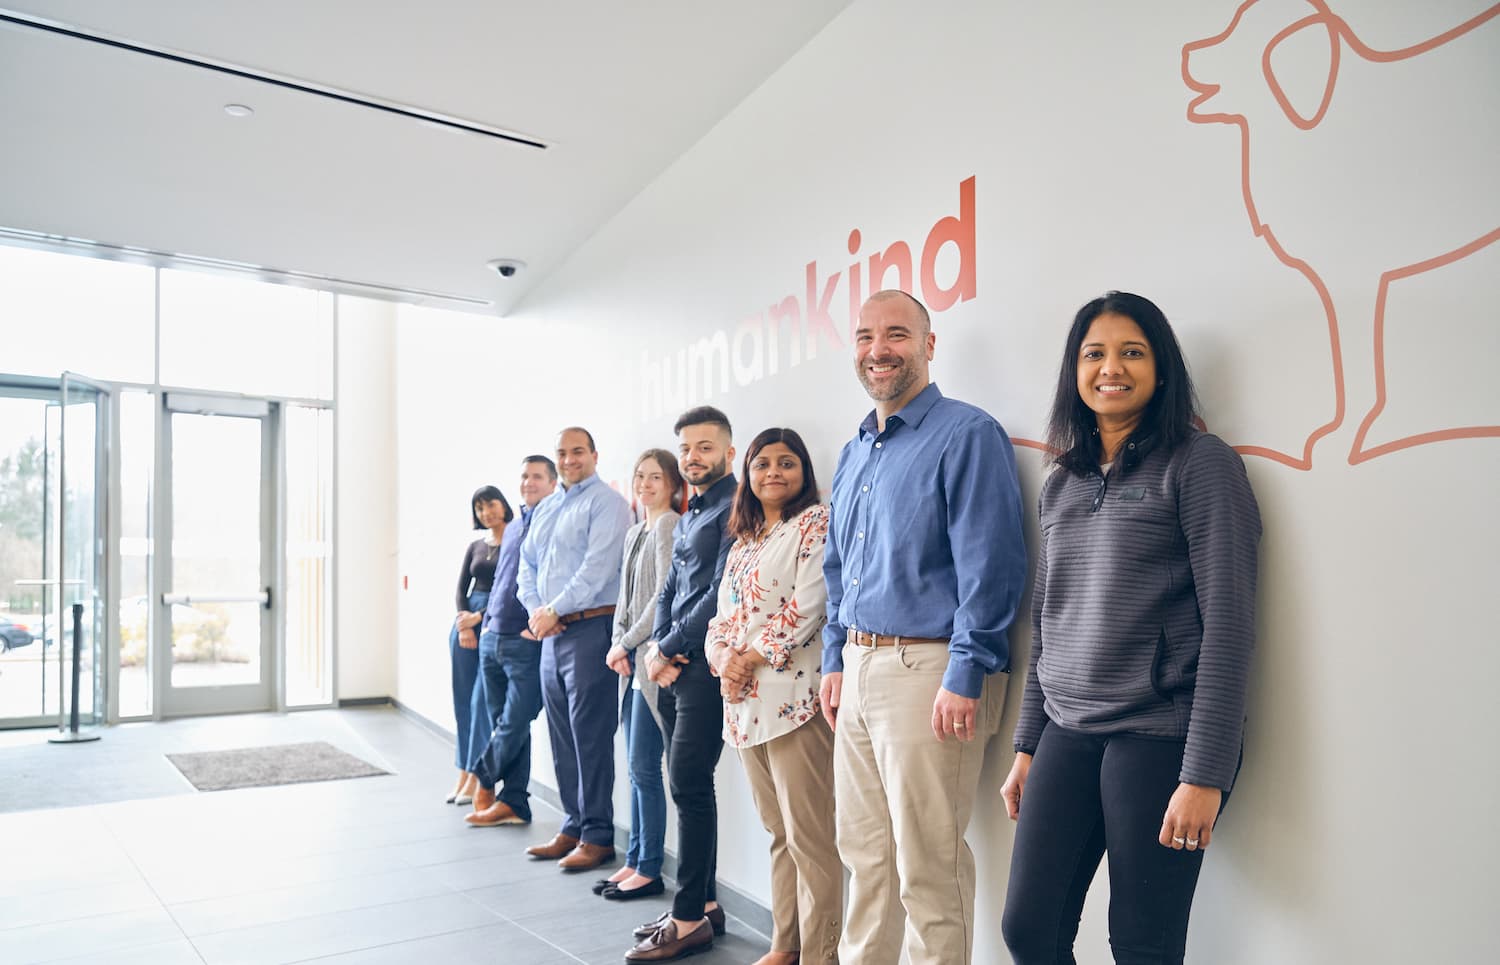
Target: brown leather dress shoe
point(493, 816)
point(554, 849)
point(715, 916)
point(663, 945)
point(587, 856)
point(483, 799)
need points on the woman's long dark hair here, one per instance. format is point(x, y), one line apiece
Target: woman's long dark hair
point(483, 495)
point(748, 515)
point(1072, 430)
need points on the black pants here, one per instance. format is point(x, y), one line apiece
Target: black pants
point(693, 713)
point(1086, 795)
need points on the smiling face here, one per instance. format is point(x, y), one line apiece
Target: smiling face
point(491, 513)
point(892, 347)
point(1116, 372)
point(775, 477)
point(536, 482)
point(703, 454)
point(576, 458)
point(652, 487)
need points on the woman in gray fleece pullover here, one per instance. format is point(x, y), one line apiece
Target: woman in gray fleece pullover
point(1143, 616)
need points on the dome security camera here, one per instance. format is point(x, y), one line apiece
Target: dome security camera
point(506, 267)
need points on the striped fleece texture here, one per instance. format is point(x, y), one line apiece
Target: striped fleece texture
point(1143, 610)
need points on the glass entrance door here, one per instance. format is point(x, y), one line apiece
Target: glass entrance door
point(215, 629)
point(52, 467)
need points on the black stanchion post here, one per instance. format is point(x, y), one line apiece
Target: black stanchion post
point(72, 734)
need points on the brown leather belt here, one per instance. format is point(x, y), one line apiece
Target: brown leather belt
point(598, 611)
point(872, 640)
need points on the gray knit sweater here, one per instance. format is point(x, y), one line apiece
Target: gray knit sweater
point(636, 612)
point(1143, 610)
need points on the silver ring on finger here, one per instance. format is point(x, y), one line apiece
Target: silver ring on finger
point(1192, 843)
point(1178, 839)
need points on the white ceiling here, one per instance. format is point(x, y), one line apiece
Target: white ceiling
point(127, 149)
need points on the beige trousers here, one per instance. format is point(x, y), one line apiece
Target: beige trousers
point(904, 801)
point(791, 780)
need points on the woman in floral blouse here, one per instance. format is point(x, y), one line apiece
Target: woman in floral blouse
point(764, 644)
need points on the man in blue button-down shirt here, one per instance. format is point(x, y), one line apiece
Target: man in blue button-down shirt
point(569, 580)
point(925, 565)
point(510, 693)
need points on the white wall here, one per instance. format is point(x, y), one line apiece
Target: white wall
point(366, 499)
point(1360, 828)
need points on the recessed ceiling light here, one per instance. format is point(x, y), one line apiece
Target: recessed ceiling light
point(238, 110)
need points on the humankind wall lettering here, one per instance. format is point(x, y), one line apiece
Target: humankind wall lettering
point(795, 329)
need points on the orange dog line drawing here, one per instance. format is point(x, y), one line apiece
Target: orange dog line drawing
point(1262, 33)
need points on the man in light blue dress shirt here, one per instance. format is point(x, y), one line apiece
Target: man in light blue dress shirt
point(925, 565)
point(569, 581)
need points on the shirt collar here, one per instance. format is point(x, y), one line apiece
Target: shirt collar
point(717, 493)
point(580, 486)
point(910, 414)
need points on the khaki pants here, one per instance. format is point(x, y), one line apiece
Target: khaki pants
point(904, 801)
point(791, 779)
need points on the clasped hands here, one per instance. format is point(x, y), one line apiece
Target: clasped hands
point(661, 669)
point(736, 669)
point(466, 621)
point(544, 622)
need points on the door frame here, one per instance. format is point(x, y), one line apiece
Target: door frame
point(269, 692)
point(54, 558)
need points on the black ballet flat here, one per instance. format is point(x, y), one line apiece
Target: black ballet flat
point(601, 885)
point(616, 893)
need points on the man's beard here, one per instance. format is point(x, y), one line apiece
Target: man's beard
point(711, 475)
point(895, 388)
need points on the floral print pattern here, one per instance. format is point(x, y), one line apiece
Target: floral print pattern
point(773, 598)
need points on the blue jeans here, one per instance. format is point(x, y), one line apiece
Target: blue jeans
point(648, 800)
point(579, 691)
point(510, 695)
point(465, 678)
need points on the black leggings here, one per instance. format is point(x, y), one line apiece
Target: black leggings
point(1086, 795)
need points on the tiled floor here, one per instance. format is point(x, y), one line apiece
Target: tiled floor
point(367, 870)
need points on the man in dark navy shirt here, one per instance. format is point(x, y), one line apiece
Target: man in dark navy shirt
point(510, 695)
point(692, 709)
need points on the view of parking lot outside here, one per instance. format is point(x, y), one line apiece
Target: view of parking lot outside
point(102, 319)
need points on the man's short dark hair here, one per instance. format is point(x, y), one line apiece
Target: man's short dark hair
point(586, 434)
point(703, 415)
point(551, 466)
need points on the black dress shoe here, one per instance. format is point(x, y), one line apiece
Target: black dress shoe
point(653, 887)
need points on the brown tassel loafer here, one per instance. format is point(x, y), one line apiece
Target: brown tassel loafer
point(663, 945)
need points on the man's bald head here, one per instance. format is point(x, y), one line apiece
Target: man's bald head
point(920, 319)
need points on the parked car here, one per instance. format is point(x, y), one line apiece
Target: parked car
point(13, 634)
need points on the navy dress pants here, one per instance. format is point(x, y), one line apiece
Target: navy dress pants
point(580, 693)
point(508, 699)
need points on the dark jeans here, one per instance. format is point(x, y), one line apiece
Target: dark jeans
point(507, 701)
point(693, 713)
point(579, 691)
point(465, 668)
point(1086, 795)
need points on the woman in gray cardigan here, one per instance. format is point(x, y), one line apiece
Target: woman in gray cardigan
point(648, 557)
